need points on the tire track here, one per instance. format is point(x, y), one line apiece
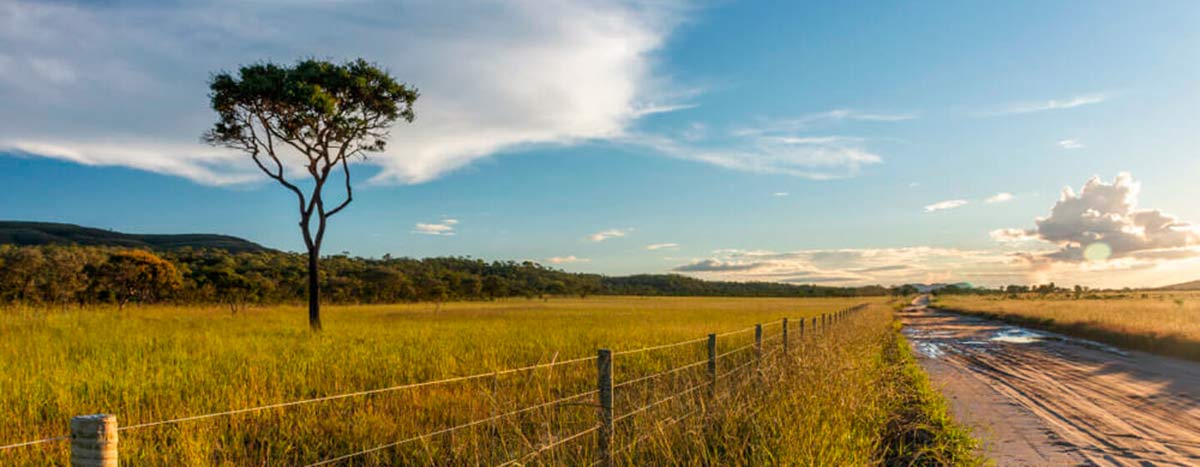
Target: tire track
point(1097, 406)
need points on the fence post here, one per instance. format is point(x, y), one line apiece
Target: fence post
point(758, 340)
point(604, 384)
point(801, 328)
point(712, 365)
point(94, 441)
point(785, 336)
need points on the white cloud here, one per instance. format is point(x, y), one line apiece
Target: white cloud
point(1070, 144)
point(816, 158)
point(607, 234)
point(493, 76)
point(443, 228)
point(780, 194)
point(806, 122)
point(1104, 216)
point(662, 246)
point(566, 260)
point(849, 267)
point(1012, 235)
point(944, 205)
point(1052, 104)
point(1001, 197)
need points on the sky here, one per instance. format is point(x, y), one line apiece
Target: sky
point(800, 142)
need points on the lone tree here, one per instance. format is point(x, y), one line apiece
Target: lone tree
point(311, 118)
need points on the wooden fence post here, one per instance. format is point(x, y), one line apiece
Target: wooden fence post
point(785, 336)
point(604, 384)
point(758, 340)
point(712, 366)
point(94, 441)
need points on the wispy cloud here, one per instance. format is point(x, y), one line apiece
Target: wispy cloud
point(566, 259)
point(662, 246)
point(444, 228)
point(1052, 104)
point(609, 233)
point(809, 121)
point(1002, 197)
point(1070, 144)
point(780, 194)
point(815, 158)
point(944, 205)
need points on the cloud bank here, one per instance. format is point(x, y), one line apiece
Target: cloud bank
point(123, 83)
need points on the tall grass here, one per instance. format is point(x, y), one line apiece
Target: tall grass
point(829, 402)
point(1167, 323)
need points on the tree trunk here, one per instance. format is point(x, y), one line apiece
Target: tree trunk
point(314, 290)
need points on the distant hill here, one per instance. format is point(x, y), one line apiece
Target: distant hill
point(1193, 285)
point(50, 233)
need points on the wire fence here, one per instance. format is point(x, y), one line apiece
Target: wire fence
point(607, 419)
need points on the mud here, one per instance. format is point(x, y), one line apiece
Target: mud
point(1039, 398)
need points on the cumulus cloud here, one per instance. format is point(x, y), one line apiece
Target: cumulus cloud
point(493, 76)
point(999, 198)
point(1070, 144)
point(1102, 222)
point(944, 205)
point(662, 246)
point(444, 228)
point(566, 259)
point(1051, 104)
point(607, 234)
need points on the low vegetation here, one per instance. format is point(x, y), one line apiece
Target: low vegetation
point(70, 275)
point(847, 395)
point(1166, 323)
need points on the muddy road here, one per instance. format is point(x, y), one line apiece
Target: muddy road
point(1038, 398)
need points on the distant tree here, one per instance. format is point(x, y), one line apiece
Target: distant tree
point(311, 118)
point(136, 275)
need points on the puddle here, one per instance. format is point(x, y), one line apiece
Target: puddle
point(1015, 335)
point(929, 349)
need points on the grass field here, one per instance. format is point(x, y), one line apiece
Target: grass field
point(846, 396)
point(1167, 323)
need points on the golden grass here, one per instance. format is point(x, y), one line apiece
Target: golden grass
point(829, 403)
point(1161, 322)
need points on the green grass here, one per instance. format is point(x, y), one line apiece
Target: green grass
point(829, 402)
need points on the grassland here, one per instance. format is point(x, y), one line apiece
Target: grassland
point(1166, 323)
point(845, 396)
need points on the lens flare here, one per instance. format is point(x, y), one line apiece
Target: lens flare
point(1098, 251)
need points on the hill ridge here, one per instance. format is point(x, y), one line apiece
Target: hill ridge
point(32, 233)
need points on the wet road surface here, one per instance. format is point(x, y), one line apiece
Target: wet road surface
point(1038, 398)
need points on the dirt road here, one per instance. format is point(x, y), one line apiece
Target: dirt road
point(1038, 398)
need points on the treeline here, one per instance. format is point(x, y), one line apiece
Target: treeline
point(72, 274)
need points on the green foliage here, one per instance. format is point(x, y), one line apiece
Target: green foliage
point(85, 274)
point(314, 101)
point(135, 275)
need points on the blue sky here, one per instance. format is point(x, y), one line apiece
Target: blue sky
point(789, 141)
